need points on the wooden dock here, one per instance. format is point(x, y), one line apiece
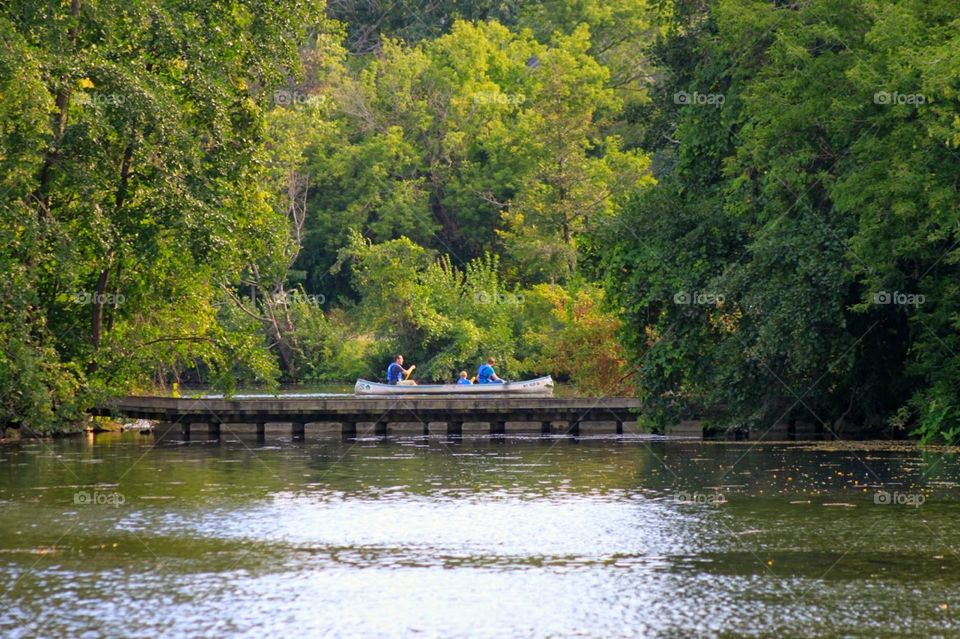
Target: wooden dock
point(552, 414)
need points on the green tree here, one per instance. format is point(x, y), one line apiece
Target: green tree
point(793, 206)
point(136, 132)
point(481, 140)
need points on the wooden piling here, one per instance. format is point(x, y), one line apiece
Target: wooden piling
point(348, 430)
point(298, 430)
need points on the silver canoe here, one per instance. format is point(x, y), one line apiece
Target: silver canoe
point(539, 386)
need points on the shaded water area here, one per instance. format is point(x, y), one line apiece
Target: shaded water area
point(122, 535)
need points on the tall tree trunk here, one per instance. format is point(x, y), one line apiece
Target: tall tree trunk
point(96, 319)
point(116, 294)
point(42, 193)
point(287, 358)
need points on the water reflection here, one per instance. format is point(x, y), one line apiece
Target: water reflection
point(599, 537)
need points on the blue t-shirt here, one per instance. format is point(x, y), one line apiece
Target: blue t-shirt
point(394, 373)
point(485, 374)
point(463, 380)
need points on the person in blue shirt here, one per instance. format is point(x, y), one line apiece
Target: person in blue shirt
point(463, 378)
point(486, 374)
point(396, 373)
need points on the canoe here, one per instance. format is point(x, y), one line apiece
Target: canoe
point(539, 386)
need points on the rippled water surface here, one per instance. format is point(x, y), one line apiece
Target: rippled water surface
point(126, 536)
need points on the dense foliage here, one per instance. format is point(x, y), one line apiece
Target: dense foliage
point(797, 260)
point(132, 136)
point(208, 190)
point(752, 202)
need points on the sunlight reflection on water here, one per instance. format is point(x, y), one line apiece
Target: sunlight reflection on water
point(481, 539)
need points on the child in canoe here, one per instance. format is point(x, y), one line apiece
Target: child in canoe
point(463, 378)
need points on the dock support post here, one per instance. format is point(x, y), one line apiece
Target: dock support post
point(213, 430)
point(574, 428)
point(619, 427)
point(498, 427)
point(298, 430)
point(454, 429)
point(426, 429)
point(261, 431)
point(546, 427)
point(348, 430)
point(185, 431)
point(380, 428)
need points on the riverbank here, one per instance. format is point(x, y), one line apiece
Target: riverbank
point(94, 425)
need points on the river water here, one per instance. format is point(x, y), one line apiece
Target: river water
point(127, 536)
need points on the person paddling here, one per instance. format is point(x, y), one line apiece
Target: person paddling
point(397, 374)
point(486, 374)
